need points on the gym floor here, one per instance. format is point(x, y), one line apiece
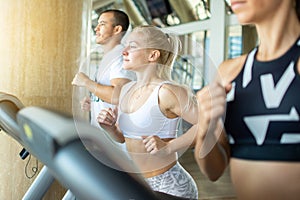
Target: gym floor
point(220, 190)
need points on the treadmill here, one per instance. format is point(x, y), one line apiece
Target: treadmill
point(10, 105)
point(81, 157)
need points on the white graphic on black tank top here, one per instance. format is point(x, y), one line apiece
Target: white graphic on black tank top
point(231, 139)
point(258, 125)
point(290, 138)
point(230, 95)
point(272, 94)
point(247, 76)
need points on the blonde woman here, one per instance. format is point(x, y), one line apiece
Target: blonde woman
point(149, 110)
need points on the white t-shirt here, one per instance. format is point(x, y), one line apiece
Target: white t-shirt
point(110, 67)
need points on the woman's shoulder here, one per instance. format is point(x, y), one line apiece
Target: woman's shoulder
point(173, 93)
point(173, 88)
point(172, 96)
point(229, 69)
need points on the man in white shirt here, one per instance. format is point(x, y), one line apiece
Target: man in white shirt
point(112, 26)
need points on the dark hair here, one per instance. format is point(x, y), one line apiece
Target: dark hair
point(120, 18)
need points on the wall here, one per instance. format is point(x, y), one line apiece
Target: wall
point(42, 45)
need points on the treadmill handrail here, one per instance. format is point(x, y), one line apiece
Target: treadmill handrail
point(61, 130)
point(9, 107)
point(9, 97)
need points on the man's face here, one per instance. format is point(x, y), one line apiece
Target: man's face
point(105, 28)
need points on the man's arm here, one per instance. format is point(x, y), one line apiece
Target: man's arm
point(109, 94)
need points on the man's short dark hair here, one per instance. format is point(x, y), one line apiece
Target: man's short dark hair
point(120, 18)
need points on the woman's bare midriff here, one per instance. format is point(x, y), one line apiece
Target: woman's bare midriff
point(262, 180)
point(149, 165)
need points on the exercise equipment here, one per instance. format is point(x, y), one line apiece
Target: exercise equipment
point(82, 158)
point(53, 139)
point(9, 107)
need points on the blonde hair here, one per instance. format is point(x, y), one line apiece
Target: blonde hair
point(168, 44)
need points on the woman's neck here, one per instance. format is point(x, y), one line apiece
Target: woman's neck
point(277, 36)
point(147, 75)
point(144, 80)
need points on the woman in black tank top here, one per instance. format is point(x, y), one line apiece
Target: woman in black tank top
point(257, 133)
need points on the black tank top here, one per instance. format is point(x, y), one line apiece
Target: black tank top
point(262, 117)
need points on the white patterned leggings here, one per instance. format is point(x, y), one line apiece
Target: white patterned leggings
point(176, 181)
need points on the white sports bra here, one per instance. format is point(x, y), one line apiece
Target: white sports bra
point(148, 119)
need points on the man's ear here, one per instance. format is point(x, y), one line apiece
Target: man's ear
point(118, 29)
point(154, 55)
